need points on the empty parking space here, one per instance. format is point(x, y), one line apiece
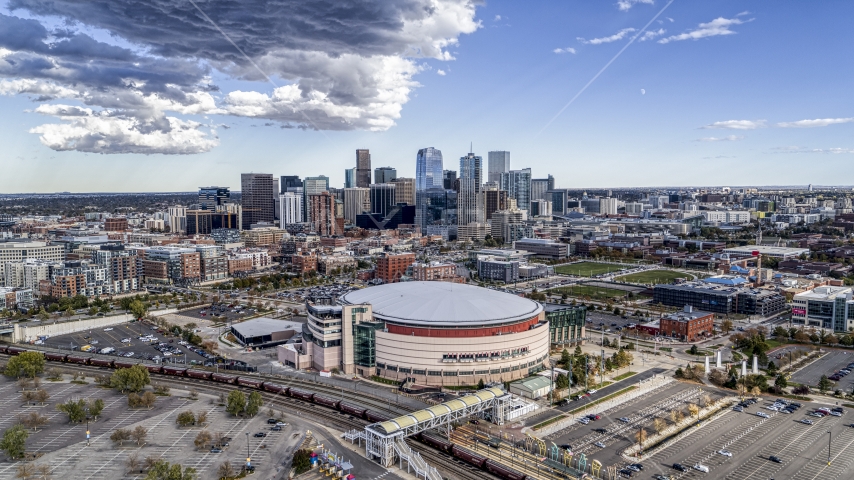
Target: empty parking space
point(828, 364)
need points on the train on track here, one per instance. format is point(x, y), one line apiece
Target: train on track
point(344, 407)
point(243, 381)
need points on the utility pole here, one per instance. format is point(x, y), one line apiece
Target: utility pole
point(829, 436)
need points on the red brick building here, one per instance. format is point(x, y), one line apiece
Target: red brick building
point(688, 325)
point(116, 224)
point(391, 267)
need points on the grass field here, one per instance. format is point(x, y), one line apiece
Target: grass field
point(587, 269)
point(595, 293)
point(653, 276)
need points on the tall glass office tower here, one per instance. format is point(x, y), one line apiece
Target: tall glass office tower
point(428, 169)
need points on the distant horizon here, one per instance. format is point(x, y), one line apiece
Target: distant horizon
point(660, 187)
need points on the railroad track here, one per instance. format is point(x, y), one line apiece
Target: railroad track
point(446, 465)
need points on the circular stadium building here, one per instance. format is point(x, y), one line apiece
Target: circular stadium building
point(440, 333)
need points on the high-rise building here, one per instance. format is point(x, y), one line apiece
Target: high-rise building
point(288, 182)
point(290, 208)
point(559, 198)
point(363, 168)
point(428, 169)
point(517, 183)
point(382, 198)
point(607, 206)
point(470, 201)
point(499, 162)
point(322, 214)
point(539, 187)
point(404, 190)
point(350, 178)
point(450, 180)
point(494, 200)
point(541, 208)
point(199, 222)
point(211, 197)
point(177, 219)
point(356, 202)
point(257, 193)
point(384, 174)
point(313, 186)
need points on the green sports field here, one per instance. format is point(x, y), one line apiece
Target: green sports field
point(592, 292)
point(588, 269)
point(653, 276)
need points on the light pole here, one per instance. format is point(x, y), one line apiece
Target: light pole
point(87, 432)
point(248, 464)
point(829, 436)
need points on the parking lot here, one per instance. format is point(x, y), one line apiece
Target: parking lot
point(298, 295)
point(225, 313)
point(116, 336)
point(606, 438)
point(752, 440)
point(828, 364)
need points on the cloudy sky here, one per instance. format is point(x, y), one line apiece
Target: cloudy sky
point(168, 95)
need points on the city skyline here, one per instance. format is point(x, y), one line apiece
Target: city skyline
point(699, 93)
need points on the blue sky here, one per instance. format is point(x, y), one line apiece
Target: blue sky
point(763, 97)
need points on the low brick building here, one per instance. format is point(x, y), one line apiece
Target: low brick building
point(391, 267)
point(688, 325)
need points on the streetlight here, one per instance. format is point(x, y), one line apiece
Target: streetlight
point(248, 464)
point(87, 432)
point(829, 436)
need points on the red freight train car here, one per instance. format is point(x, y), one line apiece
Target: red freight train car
point(437, 443)
point(375, 417)
point(302, 394)
point(199, 374)
point(249, 382)
point(176, 371)
point(351, 409)
point(468, 457)
point(154, 368)
point(222, 378)
point(54, 357)
point(123, 364)
point(275, 388)
point(100, 362)
point(15, 350)
point(501, 471)
point(326, 401)
point(75, 359)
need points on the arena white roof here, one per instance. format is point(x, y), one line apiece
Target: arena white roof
point(443, 304)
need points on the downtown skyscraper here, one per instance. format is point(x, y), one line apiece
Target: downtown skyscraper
point(428, 169)
point(257, 191)
point(363, 168)
point(499, 163)
point(470, 200)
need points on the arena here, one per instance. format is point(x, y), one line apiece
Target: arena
point(440, 333)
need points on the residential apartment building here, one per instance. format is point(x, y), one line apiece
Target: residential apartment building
point(434, 271)
point(390, 267)
point(17, 251)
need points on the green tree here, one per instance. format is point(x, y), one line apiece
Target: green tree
point(824, 384)
point(95, 408)
point(75, 409)
point(693, 350)
point(577, 351)
point(186, 419)
point(562, 382)
point(26, 364)
point(302, 461)
point(254, 404)
point(564, 357)
point(137, 308)
point(480, 384)
point(780, 382)
point(163, 470)
point(236, 403)
point(132, 379)
point(14, 441)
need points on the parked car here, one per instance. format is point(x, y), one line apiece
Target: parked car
point(701, 468)
point(680, 467)
point(775, 459)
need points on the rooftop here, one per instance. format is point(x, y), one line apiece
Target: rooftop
point(824, 293)
point(533, 384)
point(443, 304)
point(258, 327)
point(767, 250)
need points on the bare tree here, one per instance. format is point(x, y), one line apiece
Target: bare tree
point(33, 420)
point(201, 418)
point(139, 434)
point(150, 461)
point(25, 471)
point(203, 439)
point(706, 400)
point(693, 409)
point(641, 436)
point(659, 425)
point(218, 439)
point(133, 463)
point(147, 400)
point(43, 472)
point(226, 471)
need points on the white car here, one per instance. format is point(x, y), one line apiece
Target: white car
point(623, 419)
point(807, 421)
point(725, 453)
point(763, 415)
point(702, 468)
point(125, 340)
point(599, 444)
point(281, 424)
point(836, 414)
point(167, 354)
point(108, 329)
point(591, 392)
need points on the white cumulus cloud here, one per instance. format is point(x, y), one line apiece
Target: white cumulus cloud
point(441, 72)
point(728, 138)
point(564, 50)
point(612, 38)
point(651, 34)
point(738, 124)
point(818, 122)
point(626, 5)
point(717, 27)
